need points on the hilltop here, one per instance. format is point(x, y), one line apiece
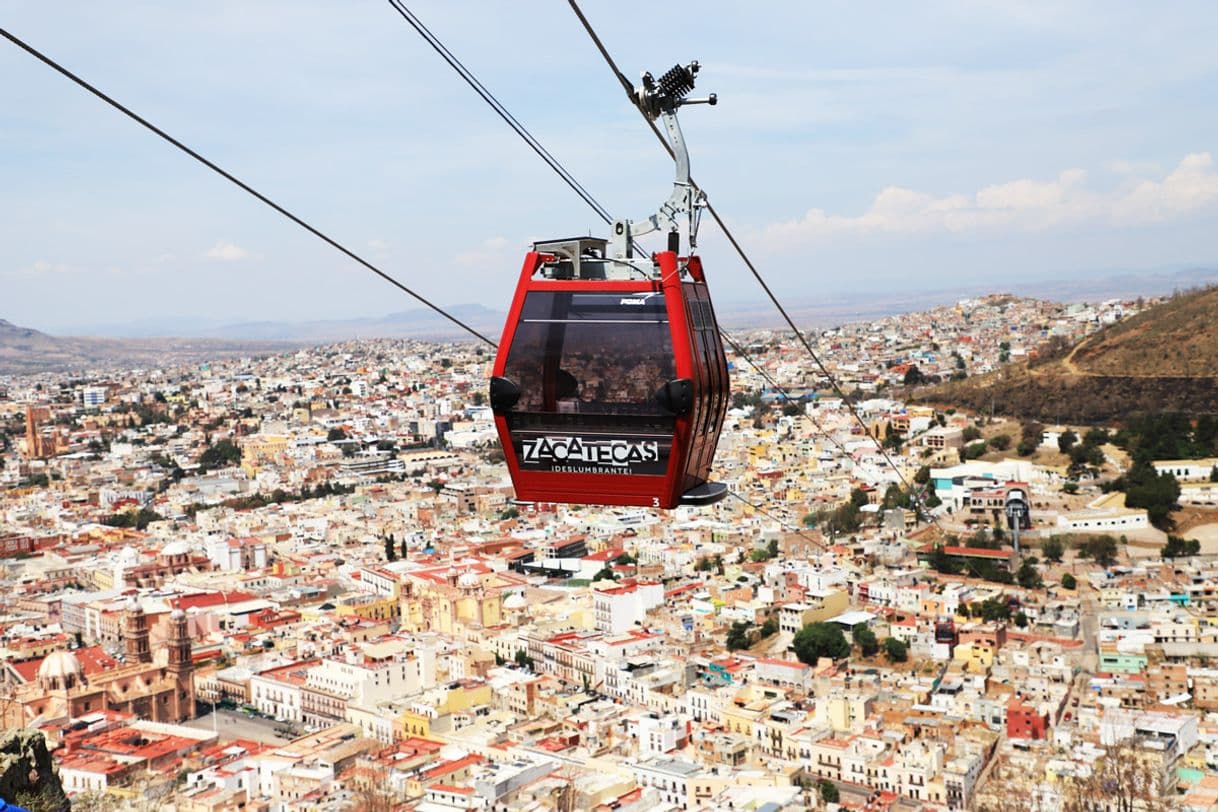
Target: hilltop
point(24, 350)
point(1163, 359)
point(1178, 338)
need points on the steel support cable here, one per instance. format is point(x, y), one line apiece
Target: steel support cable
point(509, 119)
point(735, 345)
point(470, 79)
point(487, 96)
point(240, 184)
point(476, 85)
point(629, 89)
point(785, 525)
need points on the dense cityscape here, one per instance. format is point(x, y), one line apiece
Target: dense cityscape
point(302, 581)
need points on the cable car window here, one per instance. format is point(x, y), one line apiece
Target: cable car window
point(591, 353)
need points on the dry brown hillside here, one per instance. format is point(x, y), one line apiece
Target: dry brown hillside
point(1178, 338)
point(1163, 359)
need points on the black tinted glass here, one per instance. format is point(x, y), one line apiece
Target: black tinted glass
point(591, 353)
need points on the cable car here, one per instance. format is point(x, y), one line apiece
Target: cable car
point(610, 385)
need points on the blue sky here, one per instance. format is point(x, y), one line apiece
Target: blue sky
point(857, 146)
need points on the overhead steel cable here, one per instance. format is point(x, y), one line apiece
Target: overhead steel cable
point(509, 119)
point(501, 110)
point(487, 96)
point(136, 117)
point(629, 89)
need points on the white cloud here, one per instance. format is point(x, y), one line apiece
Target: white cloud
point(44, 267)
point(41, 267)
point(380, 246)
point(1191, 186)
point(1020, 205)
point(498, 254)
point(227, 252)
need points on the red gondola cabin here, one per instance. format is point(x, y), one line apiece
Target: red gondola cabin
point(610, 385)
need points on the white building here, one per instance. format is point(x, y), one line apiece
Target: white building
point(1188, 470)
point(670, 777)
point(659, 734)
point(618, 609)
point(93, 396)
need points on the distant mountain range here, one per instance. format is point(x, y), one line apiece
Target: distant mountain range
point(23, 350)
point(733, 313)
point(140, 343)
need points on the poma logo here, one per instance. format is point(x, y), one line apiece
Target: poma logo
point(616, 453)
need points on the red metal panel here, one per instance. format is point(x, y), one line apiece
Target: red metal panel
point(614, 489)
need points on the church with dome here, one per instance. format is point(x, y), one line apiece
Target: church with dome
point(156, 686)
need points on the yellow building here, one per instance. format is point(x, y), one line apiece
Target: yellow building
point(974, 657)
point(368, 607)
point(262, 449)
point(746, 709)
point(414, 723)
point(446, 600)
point(439, 702)
point(827, 604)
point(845, 712)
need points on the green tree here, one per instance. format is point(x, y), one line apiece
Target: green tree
point(605, 574)
point(972, 451)
point(769, 628)
point(894, 497)
point(828, 791)
point(1069, 582)
point(221, 454)
point(940, 561)
point(923, 475)
point(391, 553)
point(1066, 441)
point(1070, 486)
point(509, 513)
point(865, 638)
point(625, 560)
point(1095, 437)
point(1177, 547)
point(1146, 488)
point(523, 659)
point(137, 519)
point(335, 434)
point(1028, 576)
point(1000, 442)
point(1101, 549)
point(992, 609)
point(896, 650)
point(1053, 548)
point(1021, 620)
point(914, 376)
point(738, 635)
point(818, 640)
